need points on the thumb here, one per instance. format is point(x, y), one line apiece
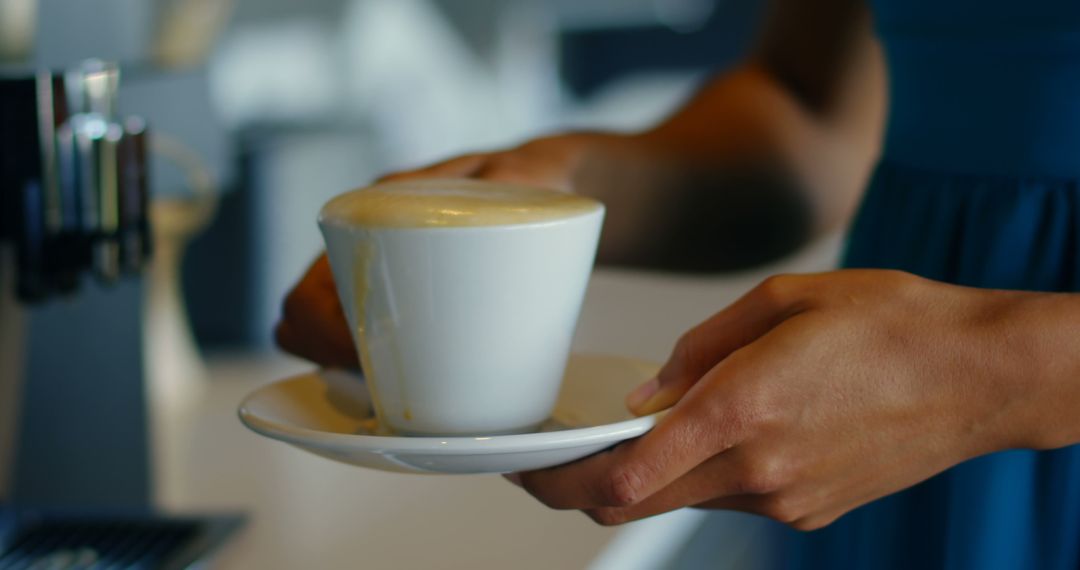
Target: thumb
point(701, 348)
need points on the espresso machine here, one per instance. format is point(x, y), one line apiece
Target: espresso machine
point(75, 484)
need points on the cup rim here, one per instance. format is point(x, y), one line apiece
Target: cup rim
point(323, 221)
point(438, 181)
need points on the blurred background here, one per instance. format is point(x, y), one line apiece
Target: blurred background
point(296, 102)
point(258, 112)
point(273, 106)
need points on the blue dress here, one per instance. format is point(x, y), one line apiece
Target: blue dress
point(979, 185)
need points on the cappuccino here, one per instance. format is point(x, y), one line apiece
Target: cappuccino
point(462, 297)
point(453, 203)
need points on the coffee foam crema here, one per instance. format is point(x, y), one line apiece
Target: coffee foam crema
point(453, 203)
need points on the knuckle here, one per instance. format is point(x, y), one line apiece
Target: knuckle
point(788, 292)
point(782, 508)
point(890, 279)
point(763, 475)
point(620, 488)
point(608, 516)
point(722, 424)
point(744, 416)
point(456, 161)
point(390, 176)
point(458, 165)
point(497, 162)
point(810, 523)
point(687, 350)
point(506, 159)
point(805, 525)
point(500, 173)
point(514, 169)
point(774, 289)
point(899, 276)
point(711, 425)
point(905, 284)
point(532, 145)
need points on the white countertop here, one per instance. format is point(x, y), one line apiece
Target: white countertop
point(308, 512)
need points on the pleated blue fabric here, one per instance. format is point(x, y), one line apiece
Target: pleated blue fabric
point(979, 185)
point(1010, 510)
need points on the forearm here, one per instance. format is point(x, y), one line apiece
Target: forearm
point(1034, 353)
point(777, 150)
point(753, 117)
point(742, 174)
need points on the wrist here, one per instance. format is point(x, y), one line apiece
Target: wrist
point(1035, 352)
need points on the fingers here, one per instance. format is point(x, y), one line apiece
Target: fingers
point(700, 349)
point(700, 489)
point(521, 175)
point(309, 347)
point(736, 479)
point(519, 168)
point(460, 167)
point(512, 167)
point(778, 507)
point(740, 479)
point(313, 324)
point(703, 483)
point(631, 473)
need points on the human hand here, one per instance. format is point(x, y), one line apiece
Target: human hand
point(313, 324)
point(549, 162)
point(811, 396)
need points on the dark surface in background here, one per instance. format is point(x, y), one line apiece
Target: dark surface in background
point(83, 439)
point(592, 59)
point(110, 538)
point(218, 269)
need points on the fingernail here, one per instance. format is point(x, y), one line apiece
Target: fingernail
point(514, 478)
point(642, 394)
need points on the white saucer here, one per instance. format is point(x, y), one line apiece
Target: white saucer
point(328, 413)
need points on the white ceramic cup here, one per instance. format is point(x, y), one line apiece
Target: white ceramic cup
point(463, 330)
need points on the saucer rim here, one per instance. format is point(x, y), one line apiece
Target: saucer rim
point(443, 445)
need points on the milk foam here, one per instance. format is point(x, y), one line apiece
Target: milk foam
point(452, 203)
